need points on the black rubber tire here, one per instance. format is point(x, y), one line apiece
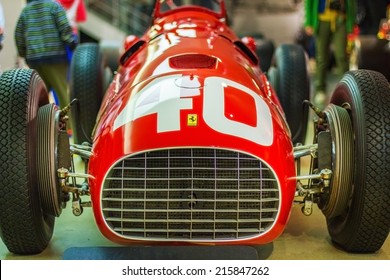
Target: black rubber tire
point(365, 223)
point(24, 227)
point(265, 50)
point(273, 78)
point(290, 80)
point(87, 85)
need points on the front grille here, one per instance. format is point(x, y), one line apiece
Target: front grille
point(190, 194)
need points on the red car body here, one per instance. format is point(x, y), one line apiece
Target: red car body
point(178, 90)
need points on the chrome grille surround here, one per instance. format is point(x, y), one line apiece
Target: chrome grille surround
point(190, 194)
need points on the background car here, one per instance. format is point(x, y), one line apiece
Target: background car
point(372, 51)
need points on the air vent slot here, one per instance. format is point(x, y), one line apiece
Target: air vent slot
point(190, 61)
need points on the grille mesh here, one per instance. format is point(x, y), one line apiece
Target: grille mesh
point(190, 194)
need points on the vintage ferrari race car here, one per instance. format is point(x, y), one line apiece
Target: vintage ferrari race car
point(189, 142)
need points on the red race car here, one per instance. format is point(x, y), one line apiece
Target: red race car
point(189, 142)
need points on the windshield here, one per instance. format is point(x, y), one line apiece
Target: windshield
point(213, 5)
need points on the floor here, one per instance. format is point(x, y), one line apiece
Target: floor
point(305, 238)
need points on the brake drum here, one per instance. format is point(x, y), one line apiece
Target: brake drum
point(47, 150)
point(341, 185)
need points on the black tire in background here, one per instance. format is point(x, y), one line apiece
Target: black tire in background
point(265, 50)
point(273, 78)
point(24, 227)
point(374, 54)
point(87, 85)
point(289, 78)
point(364, 225)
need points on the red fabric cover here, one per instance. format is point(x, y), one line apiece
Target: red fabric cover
point(81, 13)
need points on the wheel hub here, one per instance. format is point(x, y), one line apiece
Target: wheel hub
point(49, 190)
point(337, 196)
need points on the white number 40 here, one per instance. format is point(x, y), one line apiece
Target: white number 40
point(166, 98)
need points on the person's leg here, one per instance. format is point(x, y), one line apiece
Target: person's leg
point(322, 55)
point(55, 78)
point(340, 48)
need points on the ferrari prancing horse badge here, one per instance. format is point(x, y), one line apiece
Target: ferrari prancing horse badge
point(192, 119)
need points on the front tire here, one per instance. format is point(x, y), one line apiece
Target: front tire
point(364, 224)
point(24, 227)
